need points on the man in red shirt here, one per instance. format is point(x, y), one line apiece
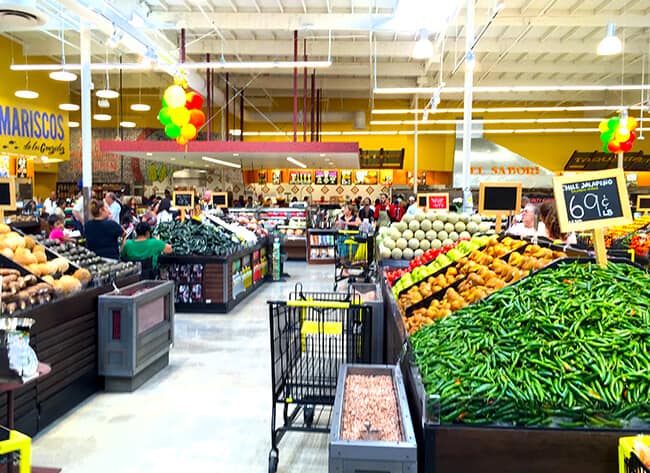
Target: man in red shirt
point(396, 210)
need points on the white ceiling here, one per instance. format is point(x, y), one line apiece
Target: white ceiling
point(530, 42)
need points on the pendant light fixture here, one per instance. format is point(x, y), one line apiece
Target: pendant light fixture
point(26, 93)
point(107, 92)
point(610, 44)
point(423, 48)
point(140, 107)
point(63, 75)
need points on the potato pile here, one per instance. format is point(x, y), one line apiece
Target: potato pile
point(21, 292)
point(482, 272)
point(429, 287)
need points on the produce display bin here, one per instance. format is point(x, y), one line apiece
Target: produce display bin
point(136, 329)
point(372, 456)
point(446, 448)
point(371, 295)
point(214, 284)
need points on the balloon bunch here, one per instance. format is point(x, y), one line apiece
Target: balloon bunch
point(617, 134)
point(181, 113)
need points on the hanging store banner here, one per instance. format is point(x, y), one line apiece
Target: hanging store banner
point(33, 131)
point(495, 163)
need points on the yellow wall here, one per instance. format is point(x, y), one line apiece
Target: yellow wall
point(44, 184)
point(51, 94)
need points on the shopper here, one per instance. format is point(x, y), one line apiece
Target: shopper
point(163, 209)
point(78, 211)
point(548, 215)
point(144, 247)
point(530, 224)
point(412, 209)
point(102, 233)
point(56, 228)
point(59, 210)
point(249, 202)
point(397, 210)
point(382, 211)
point(113, 205)
point(349, 220)
point(197, 214)
point(366, 211)
point(49, 205)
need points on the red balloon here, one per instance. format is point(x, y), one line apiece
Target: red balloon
point(626, 146)
point(197, 118)
point(613, 147)
point(632, 137)
point(194, 101)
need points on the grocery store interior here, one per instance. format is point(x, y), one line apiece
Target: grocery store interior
point(354, 236)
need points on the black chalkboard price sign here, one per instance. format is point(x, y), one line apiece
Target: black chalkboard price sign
point(592, 200)
point(643, 203)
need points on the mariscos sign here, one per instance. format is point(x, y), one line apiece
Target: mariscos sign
point(33, 131)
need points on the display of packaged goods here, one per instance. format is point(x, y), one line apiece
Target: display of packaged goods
point(565, 347)
point(415, 234)
point(193, 238)
point(321, 240)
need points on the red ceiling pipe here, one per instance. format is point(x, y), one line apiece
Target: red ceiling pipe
point(304, 93)
point(241, 115)
point(313, 100)
point(182, 45)
point(227, 132)
point(208, 81)
point(295, 87)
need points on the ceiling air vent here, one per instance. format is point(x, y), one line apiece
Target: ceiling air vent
point(20, 16)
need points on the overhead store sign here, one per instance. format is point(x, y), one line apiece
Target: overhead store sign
point(495, 163)
point(33, 131)
point(599, 161)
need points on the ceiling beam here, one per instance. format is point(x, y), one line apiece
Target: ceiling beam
point(287, 21)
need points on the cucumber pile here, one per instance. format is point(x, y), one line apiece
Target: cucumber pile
point(568, 346)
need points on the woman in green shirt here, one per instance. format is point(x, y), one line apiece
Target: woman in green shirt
point(144, 247)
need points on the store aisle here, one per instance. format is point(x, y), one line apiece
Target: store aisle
point(209, 411)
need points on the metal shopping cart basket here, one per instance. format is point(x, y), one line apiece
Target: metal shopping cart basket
point(311, 335)
point(354, 257)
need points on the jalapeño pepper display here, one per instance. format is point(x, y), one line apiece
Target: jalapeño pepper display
point(568, 346)
point(192, 238)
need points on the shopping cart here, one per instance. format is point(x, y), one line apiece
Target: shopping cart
point(354, 257)
point(311, 335)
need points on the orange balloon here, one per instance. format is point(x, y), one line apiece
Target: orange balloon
point(181, 141)
point(197, 118)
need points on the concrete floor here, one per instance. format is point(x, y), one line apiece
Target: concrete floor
point(209, 411)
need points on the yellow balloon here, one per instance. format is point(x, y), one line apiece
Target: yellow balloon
point(188, 131)
point(181, 141)
point(622, 134)
point(602, 126)
point(180, 116)
point(632, 124)
point(174, 96)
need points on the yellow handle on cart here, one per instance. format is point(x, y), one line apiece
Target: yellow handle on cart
point(319, 304)
point(21, 443)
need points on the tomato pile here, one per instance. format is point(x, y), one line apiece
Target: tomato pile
point(393, 275)
point(640, 244)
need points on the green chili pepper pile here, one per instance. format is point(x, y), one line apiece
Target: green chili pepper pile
point(193, 238)
point(569, 346)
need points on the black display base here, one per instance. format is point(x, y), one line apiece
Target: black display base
point(217, 307)
point(116, 384)
point(67, 399)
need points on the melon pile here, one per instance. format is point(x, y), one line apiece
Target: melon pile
point(417, 233)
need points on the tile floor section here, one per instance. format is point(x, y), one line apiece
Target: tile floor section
point(209, 411)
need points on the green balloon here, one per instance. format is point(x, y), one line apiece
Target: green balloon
point(172, 131)
point(164, 102)
point(612, 123)
point(605, 148)
point(606, 137)
point(164, 116)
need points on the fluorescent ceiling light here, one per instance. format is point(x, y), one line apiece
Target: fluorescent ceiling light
point(69, 107)
point(219, 161)
point(140, 66)
point(140, 107)
point(585, 108)
point(63, 76)
point(26, 94)
point(296, 162)
point(490, 121)
point(235, 154)
point(151, 154)
point(102, 117)
point(510, 89)
point(235, 132)
point(72, 124)
point(610, 44)
point(107, 94)
point(127, 124)
point(423, 48)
